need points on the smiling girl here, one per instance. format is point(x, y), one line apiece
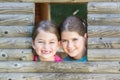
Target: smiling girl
point(46, 42)
point(74, 39)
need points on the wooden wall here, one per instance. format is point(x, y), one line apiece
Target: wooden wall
point(16, 24)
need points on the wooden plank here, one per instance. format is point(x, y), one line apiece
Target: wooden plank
point(21, 54)
point(58, 76)
point(16, 42)
point(104, 42)
point(16, 20)
point(103, 0)
point(103, 31)
point(64, 67)
point(16, 54)
point(43, 1)
point(103, 7)
point(42, 12)
point(103, 54)
point(104, 19)
point(59, 1)
point(16, 8)
point(16, 31)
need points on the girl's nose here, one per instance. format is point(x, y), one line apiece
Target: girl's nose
point(46, 46)
point(70, 44)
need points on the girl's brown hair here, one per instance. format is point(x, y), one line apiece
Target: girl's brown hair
point(48, 26)
point(74, 23)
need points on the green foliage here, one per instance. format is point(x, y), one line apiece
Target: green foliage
point(61, 11)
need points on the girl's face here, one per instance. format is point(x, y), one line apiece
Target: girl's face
point(73, 44)
point(46, 44)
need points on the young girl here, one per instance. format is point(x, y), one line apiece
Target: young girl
point(45, 42)
point(74, 39)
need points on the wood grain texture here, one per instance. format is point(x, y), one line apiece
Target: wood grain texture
point(104, 19)
point(58, 76)
point(103, 54)
point(20, 54)
point(104, 42)
point(64, 67)
point(103, 7)
point(16, 20)
point(59, 1)
point(16, 8)
point(16, 42)
point(16, 31)
point(16, 54)
point(103, 31)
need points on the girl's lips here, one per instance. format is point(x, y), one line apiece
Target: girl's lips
point(46, 52)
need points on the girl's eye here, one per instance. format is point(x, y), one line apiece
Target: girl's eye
point(64, 40)
point(52, 42)
point(75, 39)
point(40, 41)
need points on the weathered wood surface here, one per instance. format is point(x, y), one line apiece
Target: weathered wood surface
point(104, 42)
point(103, 31)
point(16, 20)
point(104, 19)
point(16, 31)
point(16, 42)
point(21, 54)
point(16, 54)
point(58, 76)
point(16, 8)
point(103, 54)
point(61, 1)
point(103, 7)
point(64, 67)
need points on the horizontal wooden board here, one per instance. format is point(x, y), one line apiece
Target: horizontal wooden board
point(16, 31)
point(16, 20)
point(58, 76)
point(103, 31)
point(64, 67)
point(56, 1)
point(16, 42)
point(16, 8)
point(16, 54)
point(104, 42)
point(20, 54)
point(104, 19)
point(104, 7)
point(103, 54)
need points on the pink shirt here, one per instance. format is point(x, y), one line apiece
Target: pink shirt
point(56, 58)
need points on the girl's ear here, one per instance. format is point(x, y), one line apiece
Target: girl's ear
point(33, 44)
point(86, 37)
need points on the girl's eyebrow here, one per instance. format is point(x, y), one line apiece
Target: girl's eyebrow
point(53, 40)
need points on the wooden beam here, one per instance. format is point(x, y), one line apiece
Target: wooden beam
point(104, 19)
point(16, 54)
point(103, 31)
point(103, 7)
point(42, 12)
point(15, 42)
point(64, 67)
point(16, 20)
point(16, 31)
point(103, 54)
point(58, 76)
point(59, 1)
point(16, 8)
point(104, 42)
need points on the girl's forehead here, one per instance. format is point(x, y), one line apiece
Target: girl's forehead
point(70, 32)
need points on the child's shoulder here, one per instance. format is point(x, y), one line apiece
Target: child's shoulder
point(58, 59)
